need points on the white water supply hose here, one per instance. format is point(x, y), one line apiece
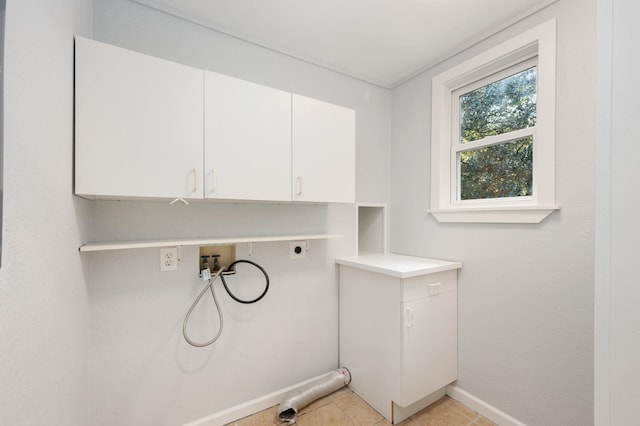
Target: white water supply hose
point(209, 286)
point(193, 306)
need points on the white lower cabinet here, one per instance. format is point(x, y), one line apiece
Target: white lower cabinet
point(398, 329)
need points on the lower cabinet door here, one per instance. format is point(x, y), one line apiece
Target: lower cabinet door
point(429, 347)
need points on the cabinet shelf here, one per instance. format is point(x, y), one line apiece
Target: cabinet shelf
point(124, 245)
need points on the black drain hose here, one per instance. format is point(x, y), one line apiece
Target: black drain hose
point(233, 296)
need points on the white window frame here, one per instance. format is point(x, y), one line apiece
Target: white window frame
point(538, 44)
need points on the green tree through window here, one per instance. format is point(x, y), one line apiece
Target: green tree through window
point(502, 169)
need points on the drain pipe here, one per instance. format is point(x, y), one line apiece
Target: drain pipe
point(299, 398)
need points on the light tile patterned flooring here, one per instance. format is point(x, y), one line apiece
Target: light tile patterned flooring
point(345, 408)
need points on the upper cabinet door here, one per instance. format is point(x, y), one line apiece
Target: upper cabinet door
point(323, 163)
point(247, 140)
point(139, 124)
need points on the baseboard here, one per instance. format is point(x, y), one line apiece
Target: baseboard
point(247, 408)
point(487, 410)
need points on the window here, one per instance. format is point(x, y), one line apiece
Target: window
point(493, 134)
point(493, 130)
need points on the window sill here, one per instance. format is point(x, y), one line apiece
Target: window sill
point(514, 214)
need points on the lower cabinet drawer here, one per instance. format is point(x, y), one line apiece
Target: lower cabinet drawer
point(429, 285)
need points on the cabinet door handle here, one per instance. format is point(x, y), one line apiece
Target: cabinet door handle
point(410, 319)
point(214, 181)
point(299, 186)
point(195, 181)
point(434, 289)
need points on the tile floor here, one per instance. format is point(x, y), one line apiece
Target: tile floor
point(345, 408)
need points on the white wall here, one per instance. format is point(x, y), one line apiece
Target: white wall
point(43, 297)
point(525, 291)
point(618, 338)
point(602, 290)
point(140, 369)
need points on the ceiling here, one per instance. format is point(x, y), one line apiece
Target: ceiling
point(380, 41)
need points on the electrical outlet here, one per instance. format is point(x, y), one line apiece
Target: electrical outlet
point(168, 259)
point(297, 250)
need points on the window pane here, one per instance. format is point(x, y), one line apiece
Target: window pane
point(500, 107)
point(497, 171)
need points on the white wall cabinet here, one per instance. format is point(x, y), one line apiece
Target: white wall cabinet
point(323, 151)
point(139, 124)
point(151, 128)
point(398, 329)
point(247, 140)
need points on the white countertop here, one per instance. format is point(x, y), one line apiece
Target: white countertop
point(398, 265)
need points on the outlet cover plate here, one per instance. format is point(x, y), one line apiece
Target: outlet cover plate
point(168, 259)
point(297, 249)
